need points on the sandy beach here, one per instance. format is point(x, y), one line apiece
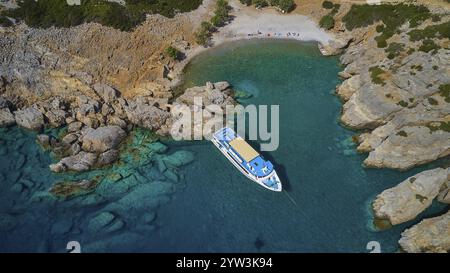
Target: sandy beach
point(250, 22)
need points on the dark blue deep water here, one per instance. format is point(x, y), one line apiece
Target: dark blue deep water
point(207, 205)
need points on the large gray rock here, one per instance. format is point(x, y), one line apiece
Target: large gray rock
point(80, 162)
point(430, 235)
point(30, 118)
point(103, 139)
point(416, 145)
point(141, 113)
point(74, 126)
point(107, 157)
point(106, 92)
point(6, 118)
point(409, 198)
point(56, 117)
point(222, 85)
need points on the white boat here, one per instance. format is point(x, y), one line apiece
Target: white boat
point(248, 161)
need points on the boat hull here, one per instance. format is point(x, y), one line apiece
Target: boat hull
point(259, 181)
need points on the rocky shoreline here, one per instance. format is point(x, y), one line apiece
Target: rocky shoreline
point(95, 128)
point(400, 101)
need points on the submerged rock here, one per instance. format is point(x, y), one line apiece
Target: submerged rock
point(103, 138)
point(68, 189)
point(100, 221)
point(80, 162)
point(30, 118)
point(430, 235)
point(144, 197)
point(411, 197)
point(7, 222)
point(179, 158)
point(157, 147)
point(108, 157)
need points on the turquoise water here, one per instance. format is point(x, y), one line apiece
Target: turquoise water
point(160, 204)
point(331, 192)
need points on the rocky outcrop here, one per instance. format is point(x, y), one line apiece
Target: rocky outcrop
point(334, 47)
point(430, 235)
point(144, 113)
point(106, 92)
point(80, 162)
point(348, 87)
point(412, 146)
point(444, 195)
point(103, 139)
point(412, 196)
point(211, 98)
point(30, 118)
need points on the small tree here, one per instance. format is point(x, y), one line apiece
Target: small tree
point(327, 5)
point(206, 26)
point(246, 2)
point(203, 36)
point(327, 22)
point(260, 3)
point(173, 52)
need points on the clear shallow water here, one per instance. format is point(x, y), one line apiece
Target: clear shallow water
point(223, 211)
point(207, 205)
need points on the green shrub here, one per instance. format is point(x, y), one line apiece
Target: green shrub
point(442, 126)
point(379, 28)
point(402, 103)
point(5, 22)
point(375, 73)
point(436, 18)
point(47, 13)
point(203, 35)
point(327, 22)
point(260, 3)
point(285, 5)
point(429, 45)
point(444, 91)
point(393, 16)
point(246, 2)
point(394, 49)
point(410, 51)
point(440, 31)
point(173, 52)
point(327, 5)
point(220, 14)
point(421, 198)
point(274, 2)
point(402, 133)
point(432, 101)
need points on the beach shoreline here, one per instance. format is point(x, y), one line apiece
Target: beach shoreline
point(249, 23)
